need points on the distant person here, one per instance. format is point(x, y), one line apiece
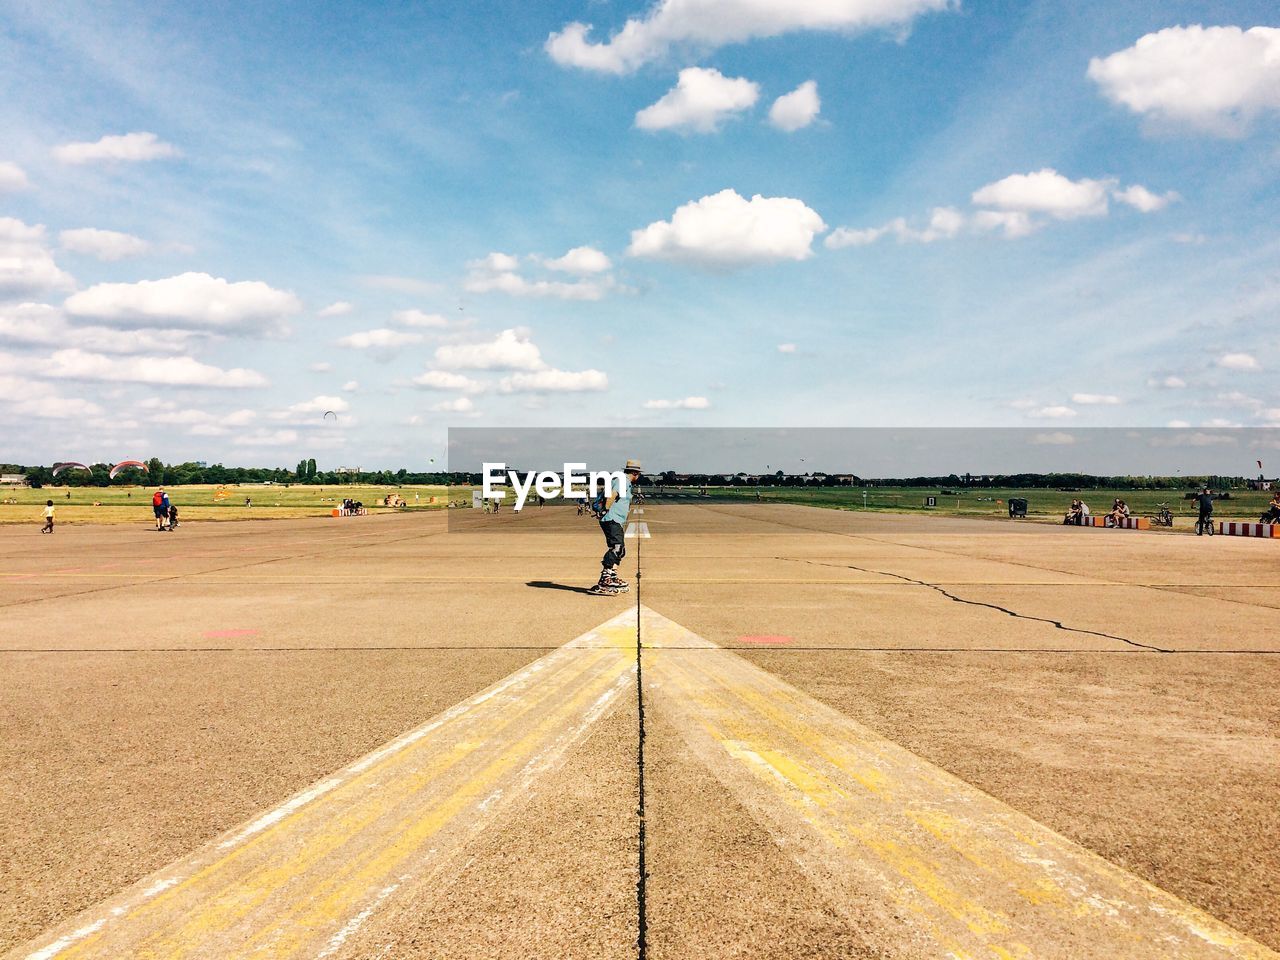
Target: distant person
point(613, 519)
point(1084, 512)
point(1205, 502)
point(164, 508)
point(1119, 511)
point(173, 516)
point(68, 494)
point(48, 517)
point(158, 508)
point(1073, 517)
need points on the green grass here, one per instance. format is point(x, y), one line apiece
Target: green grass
point(1041, 504)
point(209, 502)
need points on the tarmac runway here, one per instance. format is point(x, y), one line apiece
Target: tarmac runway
point(803, 733)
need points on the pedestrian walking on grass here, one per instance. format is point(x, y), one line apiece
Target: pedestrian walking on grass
point(613, 521)
point(48, 517)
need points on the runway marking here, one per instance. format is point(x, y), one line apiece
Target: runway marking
point(897, 843)
point(638, 530)
point(301, 878)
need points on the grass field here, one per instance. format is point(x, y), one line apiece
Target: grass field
point(1041, 504)
point(270, 502)
point(207, 502)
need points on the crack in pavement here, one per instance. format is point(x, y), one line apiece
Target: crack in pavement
point(642, 922)
point(979, 603)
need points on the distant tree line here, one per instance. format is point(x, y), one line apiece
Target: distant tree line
point(182, 473)
point(307, 473)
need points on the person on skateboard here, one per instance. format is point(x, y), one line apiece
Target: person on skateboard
point(613, 523)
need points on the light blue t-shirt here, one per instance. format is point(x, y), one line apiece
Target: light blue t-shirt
point(622, 505)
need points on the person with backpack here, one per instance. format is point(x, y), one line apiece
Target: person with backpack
point(159, 508)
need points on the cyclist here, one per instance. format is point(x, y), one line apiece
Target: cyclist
point(1205, 502)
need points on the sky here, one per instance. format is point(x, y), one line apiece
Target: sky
point(220, 221)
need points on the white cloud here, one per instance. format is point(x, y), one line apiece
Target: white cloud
point(266, 438)
point(12, 177)
point(202, 423)
point(510, 350)
point(382, 338)
point(1178, 424)
point(417, 318)
point(944, 223)
point(1094, 399)
point(1143, 200)
point(483, 280)
point(724, 230)
point(1213, 79)
point(190, 300)
point(460, 405)
point(555, 381)
point(580, 261)
point(26, 266)
point(310, 412)
point(1015, 206)
point(1221, 422)
point(39, 324)
point(323, 366)
point(797, 109)
point(351, 386)
point(1169, 382)
point(338, 308)
point(1014, 223)
point(77, 364)
point(495, 263)
point(23, 398)
point(129, 148)
point(445, 380)
point(1045, 191)
point(786, 348)
point(1053, 413)
point(688, 403)
point(1057, 439)
point(103, 244)
point(708, 24)
point(699, 102)
point(1238, 361)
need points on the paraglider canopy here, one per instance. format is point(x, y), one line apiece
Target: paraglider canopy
point(125, 465)
point(70, 465)
point(330, 413)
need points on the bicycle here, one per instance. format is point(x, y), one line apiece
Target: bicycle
point(1163, 517)
point(1204, 525)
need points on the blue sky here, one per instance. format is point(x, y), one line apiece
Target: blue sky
point(954, 238)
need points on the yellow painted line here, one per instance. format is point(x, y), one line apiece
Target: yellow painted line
point(899, 845)
point(300, 879)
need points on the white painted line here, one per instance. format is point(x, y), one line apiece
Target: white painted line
point(638, 531)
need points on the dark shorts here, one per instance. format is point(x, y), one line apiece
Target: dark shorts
point(158, 510)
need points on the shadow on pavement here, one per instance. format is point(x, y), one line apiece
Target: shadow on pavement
point(551, 585)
